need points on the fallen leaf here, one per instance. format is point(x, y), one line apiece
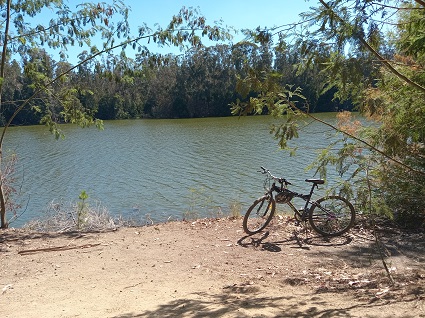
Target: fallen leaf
point(382, 292)
point(5, 288)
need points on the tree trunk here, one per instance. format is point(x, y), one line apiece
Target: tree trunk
point(2, 208)
point(3, 223)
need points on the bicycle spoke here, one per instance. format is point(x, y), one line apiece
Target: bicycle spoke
point(332, 216)
point(259, 215)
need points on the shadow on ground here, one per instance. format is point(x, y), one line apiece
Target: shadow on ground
point(358, 248)
point(252, 304)
point(19, 237)
point(11, 235)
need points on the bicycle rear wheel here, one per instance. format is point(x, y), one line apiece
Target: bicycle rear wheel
point(331, 216)
point(259, 214)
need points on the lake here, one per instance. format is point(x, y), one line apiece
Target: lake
point(158, 168)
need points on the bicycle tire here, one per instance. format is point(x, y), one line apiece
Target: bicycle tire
point(331, 216)
point(259, 215)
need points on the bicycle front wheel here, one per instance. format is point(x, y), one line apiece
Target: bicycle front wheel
point(331, 216)
point(259, 214)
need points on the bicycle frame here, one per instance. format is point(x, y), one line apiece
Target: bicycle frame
point(306, 197)
point(283, 187)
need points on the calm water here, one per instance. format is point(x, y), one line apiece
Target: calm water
point(160, 168)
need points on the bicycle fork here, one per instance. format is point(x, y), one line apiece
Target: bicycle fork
point(261, 205)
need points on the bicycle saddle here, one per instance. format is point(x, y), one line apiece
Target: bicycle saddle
point(315, 181)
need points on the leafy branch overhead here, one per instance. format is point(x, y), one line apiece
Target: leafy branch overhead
point(53, 98)
point(371, 54)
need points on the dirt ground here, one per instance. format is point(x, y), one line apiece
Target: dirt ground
point(210, 268)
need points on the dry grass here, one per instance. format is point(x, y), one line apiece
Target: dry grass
point(65, 217)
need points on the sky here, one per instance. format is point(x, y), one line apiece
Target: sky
point(240, 14)
point(237, 13)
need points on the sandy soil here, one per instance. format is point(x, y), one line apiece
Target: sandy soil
point(209, 268)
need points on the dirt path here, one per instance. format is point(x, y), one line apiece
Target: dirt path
point(208, 268)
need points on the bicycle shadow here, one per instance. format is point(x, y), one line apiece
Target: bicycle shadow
point(296, 240)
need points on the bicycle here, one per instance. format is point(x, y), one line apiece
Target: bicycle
point(329, 216)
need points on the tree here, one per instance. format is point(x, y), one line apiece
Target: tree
point(401, 111)
point(23, 38)
point(383, 165)
point(390, 178)
point(53, 97)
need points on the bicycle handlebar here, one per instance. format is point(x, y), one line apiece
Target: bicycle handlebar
point(280, 180)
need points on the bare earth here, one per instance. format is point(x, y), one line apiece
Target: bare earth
point(209, 268)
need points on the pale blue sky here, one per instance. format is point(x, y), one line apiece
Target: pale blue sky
point(237, 13)
point(240, 14)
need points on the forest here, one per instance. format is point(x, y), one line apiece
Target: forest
point(367, 56)
point(199, 83)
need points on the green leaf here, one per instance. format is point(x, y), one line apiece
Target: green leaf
point(83, 195)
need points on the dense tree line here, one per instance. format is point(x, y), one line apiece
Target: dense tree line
point(200, 83)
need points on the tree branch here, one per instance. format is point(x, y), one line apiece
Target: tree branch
point(4, 52)
point(374, 52)
point(396, 8)
point(422, 3)
point(362, 141)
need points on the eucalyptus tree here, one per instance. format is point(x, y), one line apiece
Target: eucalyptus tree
point(223, 79)
point(206, 80)
point(287, 61)
point(22, 33)
point(160, 95)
